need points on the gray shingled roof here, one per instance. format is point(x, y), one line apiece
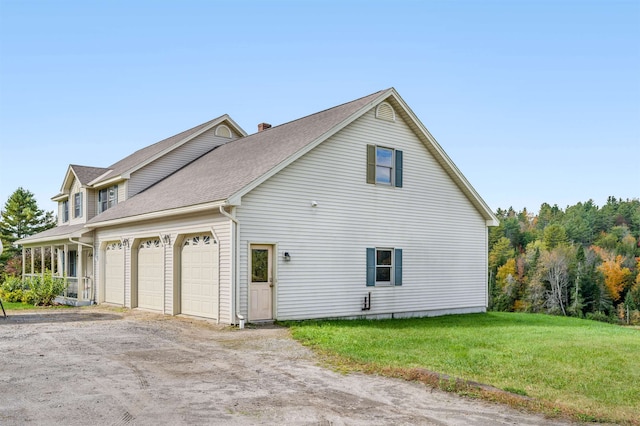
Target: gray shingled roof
point(229, 168)
point(59, 232)
point(146, 153)
point(86, 174)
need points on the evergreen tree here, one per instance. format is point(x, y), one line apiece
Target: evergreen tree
point(554, 235)
point(21, 218)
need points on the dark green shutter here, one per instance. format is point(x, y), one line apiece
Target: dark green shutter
point(398, 267)
point(371, 164)
point(398, 169)
point(371, 266)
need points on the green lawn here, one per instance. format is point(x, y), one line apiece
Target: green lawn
point(586, 369)
point(17, 306)
point(14, 306)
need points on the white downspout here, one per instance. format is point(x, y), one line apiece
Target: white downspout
point(234, 267)
point(164, 273)
point(125, 245)
point(215, 236)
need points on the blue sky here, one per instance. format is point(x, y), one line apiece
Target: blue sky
point(535, 101)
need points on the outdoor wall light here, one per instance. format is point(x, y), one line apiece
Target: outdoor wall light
point(287, 256)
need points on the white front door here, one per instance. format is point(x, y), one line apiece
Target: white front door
point(199, 276)
point(261, 284)
point(151, 274)
point(114, 273)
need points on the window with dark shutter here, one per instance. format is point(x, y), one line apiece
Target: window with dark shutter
point(384, 166)
point(384, 266)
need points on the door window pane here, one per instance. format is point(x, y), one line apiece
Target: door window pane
point(259, 265)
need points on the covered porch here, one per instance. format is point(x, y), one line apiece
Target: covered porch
point(68, 255)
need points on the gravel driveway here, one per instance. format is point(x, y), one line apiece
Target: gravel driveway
point(102, 365)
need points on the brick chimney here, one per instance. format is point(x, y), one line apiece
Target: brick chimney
point(263, 126)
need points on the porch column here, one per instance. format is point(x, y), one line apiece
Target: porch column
point(65, 262)
point(24, 261)
point(60, 265)
point(53, 265)
point(42, 262)
point(79, 274)
point(33, 260)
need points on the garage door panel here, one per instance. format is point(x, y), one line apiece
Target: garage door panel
point(199, 276)
point(114, 273)
point(151, 275)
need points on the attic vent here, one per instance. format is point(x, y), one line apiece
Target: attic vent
point(385, 112)
point(223, 131)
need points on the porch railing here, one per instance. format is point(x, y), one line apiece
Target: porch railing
point(71, 287)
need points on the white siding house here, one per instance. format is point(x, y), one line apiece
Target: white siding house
point(355, 211)
point(326, 232)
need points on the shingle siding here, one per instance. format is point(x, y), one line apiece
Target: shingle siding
point(442, 235)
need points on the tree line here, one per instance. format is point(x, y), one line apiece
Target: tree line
point(583, 261)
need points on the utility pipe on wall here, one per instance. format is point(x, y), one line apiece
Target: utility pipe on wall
point(217, 242)
point(164, 272)
point(235, 255)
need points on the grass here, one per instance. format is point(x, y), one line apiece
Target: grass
point(19, 306)
point(16, 306)
point(584, 369)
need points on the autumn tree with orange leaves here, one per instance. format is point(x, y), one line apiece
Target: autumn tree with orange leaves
point(616, 276)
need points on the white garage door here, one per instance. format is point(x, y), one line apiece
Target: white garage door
point(114, 273)
point(199, 276)
point(150, 274)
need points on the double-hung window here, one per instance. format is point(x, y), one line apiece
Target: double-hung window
point(107, 198)
point(65, 211)
point(384, 266)
point(384, 166)
point(77, 204)
point(73, 264)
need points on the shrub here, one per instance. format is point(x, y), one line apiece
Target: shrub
point(11, 296)
point(42, 290)
point(12, 289)
point(12, 284)
point(36, 290)
point(598, 316)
